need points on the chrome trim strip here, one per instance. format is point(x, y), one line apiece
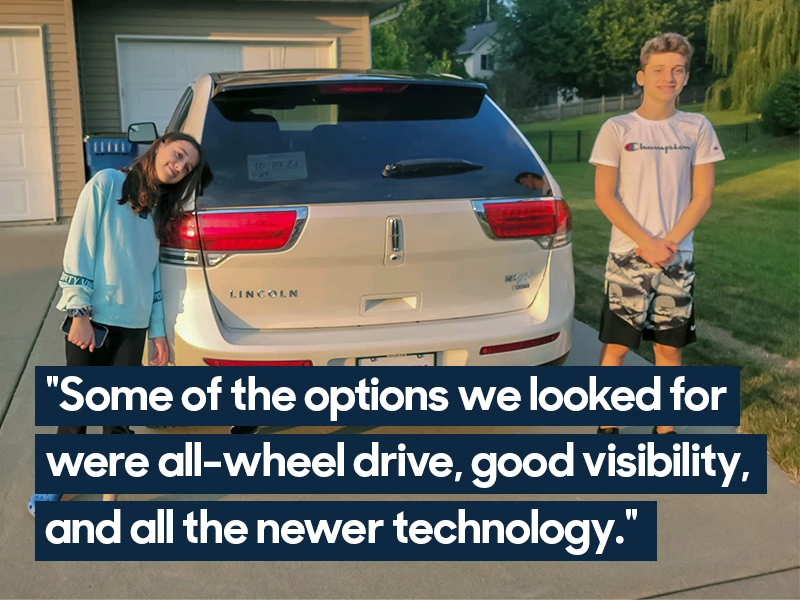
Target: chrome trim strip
point(176, 256)
point(394, 243)
point(299, 225)
point(395, 234)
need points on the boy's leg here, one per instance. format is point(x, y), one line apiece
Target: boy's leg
point(624, 311)
point(613, 355)
point(667, 356)
point(673, 315)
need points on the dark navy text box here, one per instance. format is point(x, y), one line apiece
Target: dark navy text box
point(300, 381)
point(461, 449)
point(633, 534)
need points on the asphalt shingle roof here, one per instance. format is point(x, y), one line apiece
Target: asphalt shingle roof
point(475, 35)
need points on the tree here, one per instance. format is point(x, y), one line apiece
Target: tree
point(619, 29)
point(430, 32)
point(389, 50)
point(780, 113)
point(753, 42)
point(593, 45)
point(543, 48)
point(443, 24)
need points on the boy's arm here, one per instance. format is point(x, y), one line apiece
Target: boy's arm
point(707, 152)
point(655, 251)
point(702, 190)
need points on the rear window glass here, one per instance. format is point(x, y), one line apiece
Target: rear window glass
point(309, 144)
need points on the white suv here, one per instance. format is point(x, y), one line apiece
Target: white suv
point(365, 219)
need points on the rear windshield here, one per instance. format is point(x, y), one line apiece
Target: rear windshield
point(310, 144)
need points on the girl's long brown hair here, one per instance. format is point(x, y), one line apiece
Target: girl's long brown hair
point(145, 193)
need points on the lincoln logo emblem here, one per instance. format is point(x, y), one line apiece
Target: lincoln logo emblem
point(236, 294)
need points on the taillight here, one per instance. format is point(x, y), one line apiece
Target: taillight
point(184, 234)
point(564, 219)
point(513, 346)
point(236, 231)
point(221, 362)
point(521, 219)
point(545, 220)
point(246, 231)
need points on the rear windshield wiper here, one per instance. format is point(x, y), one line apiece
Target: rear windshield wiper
point(429, 167)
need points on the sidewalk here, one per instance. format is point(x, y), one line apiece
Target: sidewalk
point(709, 546)
point(30, 267)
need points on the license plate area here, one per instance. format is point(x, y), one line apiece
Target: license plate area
point(398, 360)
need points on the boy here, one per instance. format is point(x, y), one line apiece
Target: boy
point(654, 180)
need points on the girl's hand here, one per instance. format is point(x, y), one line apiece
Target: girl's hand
point(160, 352)
point(81, 333)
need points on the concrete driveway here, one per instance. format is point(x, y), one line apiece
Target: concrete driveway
point(708, 546)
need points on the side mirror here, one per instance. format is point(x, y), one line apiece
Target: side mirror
point(142, 133)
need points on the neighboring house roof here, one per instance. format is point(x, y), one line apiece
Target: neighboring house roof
point(475, 35)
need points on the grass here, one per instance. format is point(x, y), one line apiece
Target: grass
point(747, 251)
point(593, 123)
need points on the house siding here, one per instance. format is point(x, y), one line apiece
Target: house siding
point(473, 66)
point(98, 22)
point(62, 89)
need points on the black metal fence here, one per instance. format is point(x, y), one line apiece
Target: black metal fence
point(576, 146)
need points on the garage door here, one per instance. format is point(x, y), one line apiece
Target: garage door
point(154, 74)
point(26, 160)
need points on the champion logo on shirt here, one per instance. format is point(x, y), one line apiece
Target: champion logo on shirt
point(634, 146)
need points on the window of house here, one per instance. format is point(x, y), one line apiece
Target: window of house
point(487, 62)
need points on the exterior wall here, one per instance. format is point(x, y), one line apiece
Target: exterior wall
point(62, 83)
point(99, 21)
point(473, 63)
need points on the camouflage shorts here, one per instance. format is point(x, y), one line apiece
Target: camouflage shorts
point(648, 297)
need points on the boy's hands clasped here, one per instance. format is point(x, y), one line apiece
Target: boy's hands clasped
point(657, 252)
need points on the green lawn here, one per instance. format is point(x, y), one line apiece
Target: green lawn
point(594, 122)
point(747, 252)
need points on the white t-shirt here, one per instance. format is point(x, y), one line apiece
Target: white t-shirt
point(655, 160)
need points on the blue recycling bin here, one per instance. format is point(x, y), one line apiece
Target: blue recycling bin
point(108, 153)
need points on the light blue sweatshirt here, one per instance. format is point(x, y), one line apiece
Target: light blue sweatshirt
point(111, 259)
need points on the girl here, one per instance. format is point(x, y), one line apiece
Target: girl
point(111, 277)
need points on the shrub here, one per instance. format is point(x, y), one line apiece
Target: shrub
point(780, 112)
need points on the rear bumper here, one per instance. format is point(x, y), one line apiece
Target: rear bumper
point(195, 333)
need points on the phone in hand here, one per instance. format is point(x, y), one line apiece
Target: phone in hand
point(100, 331)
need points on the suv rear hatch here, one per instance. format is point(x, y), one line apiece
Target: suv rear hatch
point(368, 202)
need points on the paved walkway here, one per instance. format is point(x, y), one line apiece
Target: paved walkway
point(708, 546)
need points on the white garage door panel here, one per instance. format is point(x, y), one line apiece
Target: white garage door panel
point(26, 161)
point(20, 197)
point(154, 73)
point(12, 152)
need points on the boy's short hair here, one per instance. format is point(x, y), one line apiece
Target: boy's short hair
point(666, 42)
